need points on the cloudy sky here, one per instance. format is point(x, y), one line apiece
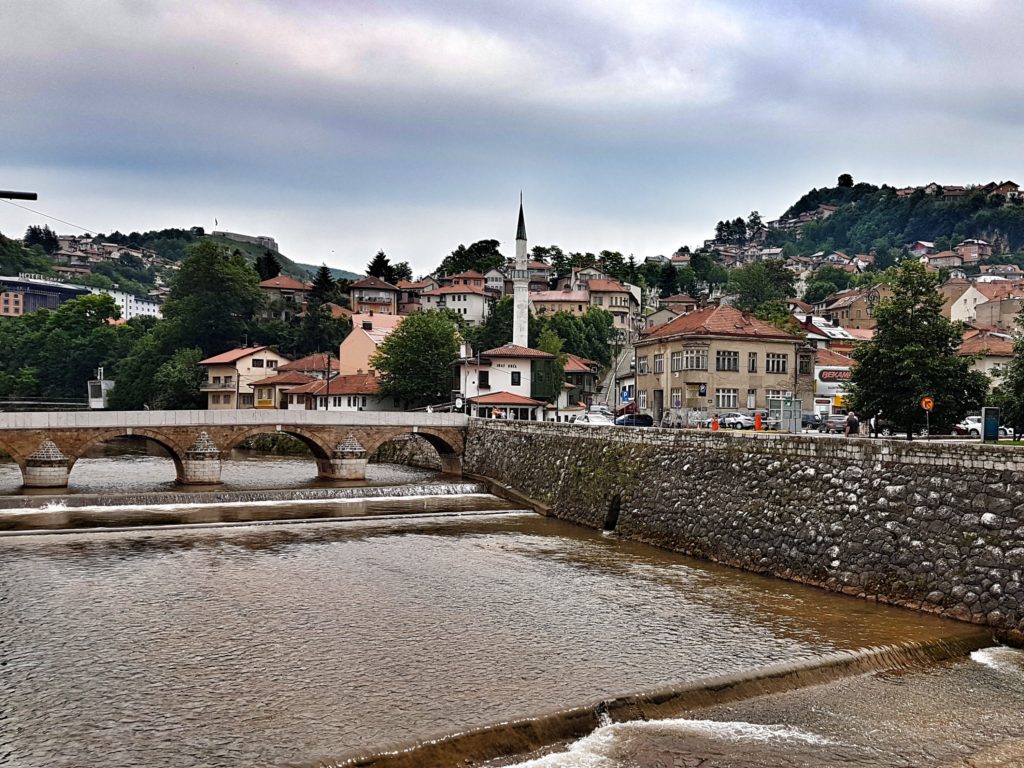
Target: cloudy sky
point(348, 126)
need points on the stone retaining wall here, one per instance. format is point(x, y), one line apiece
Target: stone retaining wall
point(939, 527)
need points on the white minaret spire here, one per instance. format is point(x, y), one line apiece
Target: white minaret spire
point(521, 286)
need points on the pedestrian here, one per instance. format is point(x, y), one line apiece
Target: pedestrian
point(852, 424)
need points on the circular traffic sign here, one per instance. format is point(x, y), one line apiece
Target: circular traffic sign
point(927, 403)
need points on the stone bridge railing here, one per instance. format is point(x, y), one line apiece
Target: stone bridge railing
point(47, 445)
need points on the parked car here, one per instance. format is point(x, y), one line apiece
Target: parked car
point(594, 418)
point(767, 422)
point(635, 420)
point(972, 426)
point(735, 421)
point(833, 425)
point(810, 421)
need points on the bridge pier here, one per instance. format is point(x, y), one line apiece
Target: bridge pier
point(347, 461)
point(46, 467)
point(201, 464)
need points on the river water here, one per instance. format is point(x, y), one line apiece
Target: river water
point(296, 643)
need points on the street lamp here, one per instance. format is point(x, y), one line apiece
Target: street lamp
point(8, 195)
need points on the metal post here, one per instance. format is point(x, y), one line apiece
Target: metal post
point(9, 195)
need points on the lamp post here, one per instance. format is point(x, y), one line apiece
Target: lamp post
point(9, 195)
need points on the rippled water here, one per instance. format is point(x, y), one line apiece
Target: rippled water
point(252, 646)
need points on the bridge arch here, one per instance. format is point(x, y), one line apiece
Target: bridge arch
point(318, 446)
point(174, 449)
point(9, 449)
point(448, 445)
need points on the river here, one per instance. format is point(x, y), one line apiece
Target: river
point(293, 644)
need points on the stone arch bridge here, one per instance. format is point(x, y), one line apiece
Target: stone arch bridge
point(47, 445)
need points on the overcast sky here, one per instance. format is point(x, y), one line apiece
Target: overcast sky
point(344, 127)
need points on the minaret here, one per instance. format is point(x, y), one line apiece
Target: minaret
point(521, 286)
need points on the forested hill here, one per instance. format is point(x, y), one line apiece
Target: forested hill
point(869, 218)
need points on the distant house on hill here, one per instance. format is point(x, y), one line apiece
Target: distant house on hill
point(288, 296)
point(373, 295)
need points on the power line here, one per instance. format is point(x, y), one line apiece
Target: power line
point(48, 216)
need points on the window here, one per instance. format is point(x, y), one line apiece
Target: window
point(642, 398)
point(727, 398)
point(726, 360)
point(676, 400)
point(336, 402)
point(641, 365)
point(517, 378)
point(659, 363)
point(774, 394)
point(695, 359)
point(271, 363)
point(364, 401)
point(752, 362)
point(751, 399)
point(805, 364)
point(777, 362)
point(677, 361)
point(483, 380)
point(216, 379)
point(257, 363)
point(598, 300)
point(215, 399)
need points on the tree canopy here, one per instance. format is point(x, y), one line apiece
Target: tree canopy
point(915, 354)
point(415, 360)
point(482, 256)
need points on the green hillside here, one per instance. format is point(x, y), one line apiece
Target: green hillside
point(337, 274)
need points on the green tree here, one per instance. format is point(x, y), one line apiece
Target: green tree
point(176, 382)
point(760, 283)
point(380, 267)
point(845, 180)
point(415, 360)
point(213, 300)
point(43, 236)
point(481, 256)
point(548, 375)
point(267, 265)
point(915, 354)
point(668, 279)
point(323, 285)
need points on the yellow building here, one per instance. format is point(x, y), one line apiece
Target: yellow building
point(230, 376)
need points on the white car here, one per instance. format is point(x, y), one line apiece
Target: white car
point(973, 426)
point(595, 418)
point(736, 421)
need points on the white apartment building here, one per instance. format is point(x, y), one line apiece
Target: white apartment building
point(131, 305)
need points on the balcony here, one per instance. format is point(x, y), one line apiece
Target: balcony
point(217, 386)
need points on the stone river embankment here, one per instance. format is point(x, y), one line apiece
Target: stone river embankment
point(936, 527)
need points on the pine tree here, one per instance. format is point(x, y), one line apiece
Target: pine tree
point(268, 266)
point(323, 285)
point(380, 267)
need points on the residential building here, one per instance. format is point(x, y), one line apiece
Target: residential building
point(921, 248)
point(24, 294)
point(320, 365)
point(951, 291)
point(614, 297)
point(271, 392)
point(822, 334)
point(287, 296)
point(967, 306)
point(131, 305)
point(409, 300)
point(580, 380)
point(494, 280)
point(509, 381)
point(992, 350)
point(471, 302)
point(566, 300)
point(933, 262)
point(973, 251)
point(720, 359)
point(853, 308)
point(999, 314)
point(660, 317)
point(350, 392)
point(368, 331)
point(470, 278)
point(373, 295)
point(230, 376)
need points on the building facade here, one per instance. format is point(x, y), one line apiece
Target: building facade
point(719, 359)
point(230, 376)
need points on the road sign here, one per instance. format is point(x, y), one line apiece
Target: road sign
point(928, 403)
point(459, 402)
point(625, 396)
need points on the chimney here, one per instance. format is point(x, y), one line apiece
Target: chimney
point(367, 325)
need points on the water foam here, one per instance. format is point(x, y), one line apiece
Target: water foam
point(599, 749)
point(1001, 659)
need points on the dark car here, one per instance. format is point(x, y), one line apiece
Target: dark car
point(635, 420)
point(810, 421)
point(833, 425)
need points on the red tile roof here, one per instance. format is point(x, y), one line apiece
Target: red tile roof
point(504, 398)
point(373, 282)
point(352, 384)
point(511, 350)
point(289, 377)
point(469, 274)
point(286, 283)
point(828, 357)
point(717, 321)
point(987, 344)
point(407, 285)
point(577, 364)
point(231, 355)
point(606, 286)
point(450, 289)
point(316, 362)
